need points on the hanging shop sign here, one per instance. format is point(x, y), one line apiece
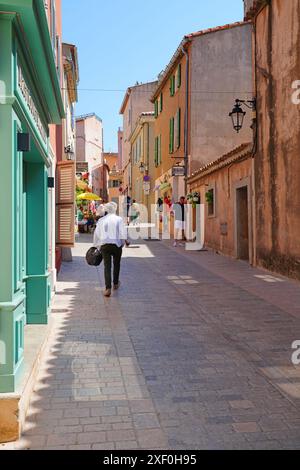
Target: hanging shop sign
point(82, 167)
point(27, 95)
point(178, 171)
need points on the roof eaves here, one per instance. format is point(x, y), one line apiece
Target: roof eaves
point(225, 27)
point(253, 11)
point(164, 76)
point(244, 150)
point(125, 99)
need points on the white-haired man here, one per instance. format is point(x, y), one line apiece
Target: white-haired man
point(110, 236)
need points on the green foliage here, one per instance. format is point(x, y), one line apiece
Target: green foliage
point(209, 196)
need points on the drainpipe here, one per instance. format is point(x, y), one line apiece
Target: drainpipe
point(186, 121)
point(254, 151)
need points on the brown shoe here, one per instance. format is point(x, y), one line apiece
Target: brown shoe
point(107, 293)
point(116, 286)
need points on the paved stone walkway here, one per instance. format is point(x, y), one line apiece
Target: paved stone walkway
point(193, 352)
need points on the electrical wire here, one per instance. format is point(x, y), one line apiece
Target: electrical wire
point(233, 92)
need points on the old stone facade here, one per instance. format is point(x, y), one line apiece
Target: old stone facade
point(277, 163)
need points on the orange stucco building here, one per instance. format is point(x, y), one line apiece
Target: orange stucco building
point(192, 101)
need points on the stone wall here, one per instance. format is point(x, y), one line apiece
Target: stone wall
point(277, 163)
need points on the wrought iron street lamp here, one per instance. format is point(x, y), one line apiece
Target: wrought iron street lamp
point(142, 168)
point(69, 152)
point(238, 114)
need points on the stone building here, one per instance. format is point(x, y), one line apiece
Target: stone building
point(276, 39)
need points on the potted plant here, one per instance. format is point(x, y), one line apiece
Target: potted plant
point(194, 198)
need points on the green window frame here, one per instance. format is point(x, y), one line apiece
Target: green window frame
point(179, 76)
point(156, 152)
point(178, 123)
point(172, 85)
point(156, 108)
point(171, 136)
point(159, 151)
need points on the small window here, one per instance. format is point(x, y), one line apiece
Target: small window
point(177, 129)
point(156, 152)
point(156, 108)
point(178, 77)
point(172, 85)
point(161, 103)
point(210, 199)
point(171, 135)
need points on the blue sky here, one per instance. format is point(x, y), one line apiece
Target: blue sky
point(123, 41)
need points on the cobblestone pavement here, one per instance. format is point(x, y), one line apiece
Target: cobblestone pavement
point(193, 352)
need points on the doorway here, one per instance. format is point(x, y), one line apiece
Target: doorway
point(242, 223)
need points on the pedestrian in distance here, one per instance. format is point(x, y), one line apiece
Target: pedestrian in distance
point(179, 224)
point(110, 237)
point(134, 212)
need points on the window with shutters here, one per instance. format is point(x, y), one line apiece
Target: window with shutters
point(159, 151)
point(178, 77)
point(156, 108)
point(65, 204)
point(161, 103)
point(171, 135)
point(172, 85)
point(158, 105)
point(177, 129)
point(156, 152)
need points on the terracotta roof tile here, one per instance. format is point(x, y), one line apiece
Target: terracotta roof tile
point(214, 30)
point(237, 153)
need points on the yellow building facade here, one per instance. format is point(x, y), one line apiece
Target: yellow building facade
point(142, 161)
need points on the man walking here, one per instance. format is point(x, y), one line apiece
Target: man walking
point(110, 236)
point(179, 226)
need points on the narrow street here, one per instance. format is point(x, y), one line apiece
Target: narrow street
point(193, 352)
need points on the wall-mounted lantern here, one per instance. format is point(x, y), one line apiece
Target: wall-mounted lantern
point(142, 168)
point(23, 142)
point(238, 114)
point(69, 152)
point(51, 182)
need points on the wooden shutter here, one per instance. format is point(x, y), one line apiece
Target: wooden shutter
point(178, 127)
point(179, 76)
point(156, 152)
point(65, 204)
point(171, 143)
point(161, 102)
point(156, 108)
point(172, 85)
point(159, 151)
